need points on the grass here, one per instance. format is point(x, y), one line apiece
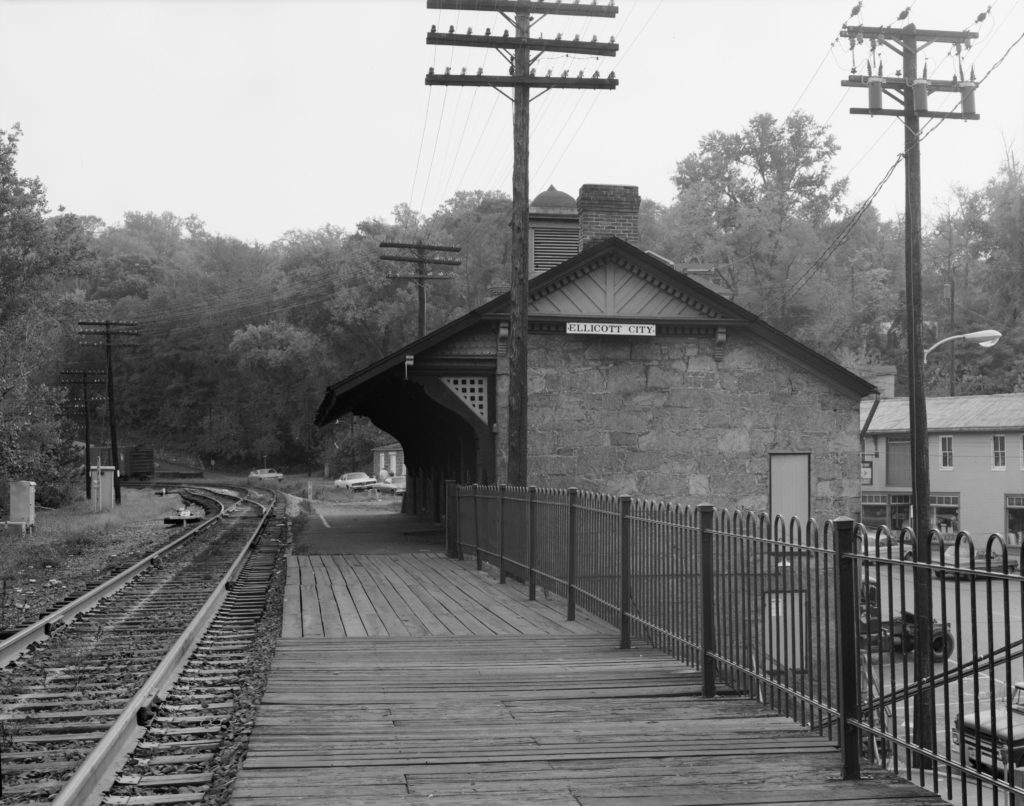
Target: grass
point(77, 529)
point(75, 544)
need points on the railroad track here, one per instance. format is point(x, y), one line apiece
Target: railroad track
point(161, 659)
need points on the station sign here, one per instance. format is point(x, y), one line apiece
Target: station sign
point(610, 329)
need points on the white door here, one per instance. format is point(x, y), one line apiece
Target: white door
point(790, 482)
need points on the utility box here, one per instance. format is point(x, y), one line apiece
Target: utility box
point(102, 477)
point(23, 503)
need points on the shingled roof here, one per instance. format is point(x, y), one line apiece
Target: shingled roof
point(968, 413)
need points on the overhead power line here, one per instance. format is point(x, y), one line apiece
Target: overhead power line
point(520, 50)
point(84, 377)
point(110, 332)
point(929, 129)
point(422, 276)
point(910, 90)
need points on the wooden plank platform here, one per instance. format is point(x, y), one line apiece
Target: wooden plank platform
point(436, 685)
point(415, 594)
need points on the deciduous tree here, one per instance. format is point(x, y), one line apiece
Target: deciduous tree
point(756, 205)
point(39, 255)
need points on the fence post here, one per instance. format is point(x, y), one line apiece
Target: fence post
point(625, 503)
point(846, 635)
point(570, 604)
point(451, 518)
point(531, 540)
point(707, 599)
point(501, 533)
point(476, 526)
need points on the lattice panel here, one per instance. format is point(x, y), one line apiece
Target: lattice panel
point(472, 392)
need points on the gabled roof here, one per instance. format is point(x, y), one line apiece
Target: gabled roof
point(391, 446)
point(968, 413)
point(611, 278)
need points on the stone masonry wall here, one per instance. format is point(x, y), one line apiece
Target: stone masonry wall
point(659, 418)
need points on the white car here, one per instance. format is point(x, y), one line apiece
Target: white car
point(394, 485)
point(265, 474)
point(355, 481)
point(959, 556)
point(887, 545)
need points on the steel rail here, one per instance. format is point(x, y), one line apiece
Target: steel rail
point(99, 769)
point(41, 630)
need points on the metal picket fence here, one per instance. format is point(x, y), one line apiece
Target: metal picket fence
point(885, 646)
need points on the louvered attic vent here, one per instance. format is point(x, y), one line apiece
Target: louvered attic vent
point(550, 246)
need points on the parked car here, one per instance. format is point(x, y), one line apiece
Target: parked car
point(888, 545)
point(355, 481)
point(987, 738)
point(987, 557)
point(394, 485)
point(265, 474)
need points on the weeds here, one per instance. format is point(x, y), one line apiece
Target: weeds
point(73, 531)
point(74, 541)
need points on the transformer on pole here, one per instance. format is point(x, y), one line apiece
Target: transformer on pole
point(910, 91)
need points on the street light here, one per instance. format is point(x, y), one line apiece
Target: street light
point(924, 702)
point(983, 338)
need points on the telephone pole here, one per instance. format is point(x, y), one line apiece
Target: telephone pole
point(110, 331)
point(84, 377)
point(910, 92)
point(422, 276)
point(520, 50)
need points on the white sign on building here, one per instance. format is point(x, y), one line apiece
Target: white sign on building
point(610, 329)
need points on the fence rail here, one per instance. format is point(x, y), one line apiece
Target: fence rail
point(902, 651)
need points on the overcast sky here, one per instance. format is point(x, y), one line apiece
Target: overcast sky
point(261, 116)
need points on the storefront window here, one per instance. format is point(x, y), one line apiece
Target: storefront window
point(874, 515)
point(1015, 519)
point(946, 515)
point(899, 512)
point(893, 510)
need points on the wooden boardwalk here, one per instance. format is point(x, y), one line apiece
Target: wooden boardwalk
point(415, 594)
point(415, 679)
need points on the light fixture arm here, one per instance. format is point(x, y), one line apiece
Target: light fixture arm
point(983, 338)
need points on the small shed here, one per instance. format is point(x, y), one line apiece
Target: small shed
point(388, 460)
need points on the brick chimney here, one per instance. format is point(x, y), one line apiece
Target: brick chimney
point(607, 210)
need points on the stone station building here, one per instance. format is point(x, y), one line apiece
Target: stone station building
point(641, 381)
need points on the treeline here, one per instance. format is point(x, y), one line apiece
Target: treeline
point(236, 341)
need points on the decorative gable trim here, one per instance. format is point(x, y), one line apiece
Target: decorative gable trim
point(611, 285)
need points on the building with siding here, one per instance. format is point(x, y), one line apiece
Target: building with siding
point(976, 464)
point(641, 381)
point(388, 460)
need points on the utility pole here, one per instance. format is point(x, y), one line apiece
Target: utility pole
point(85, 377)
point(911, 95)
point(110, 331)
point(421, 277)
point(520, 50)
point(949, 291)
